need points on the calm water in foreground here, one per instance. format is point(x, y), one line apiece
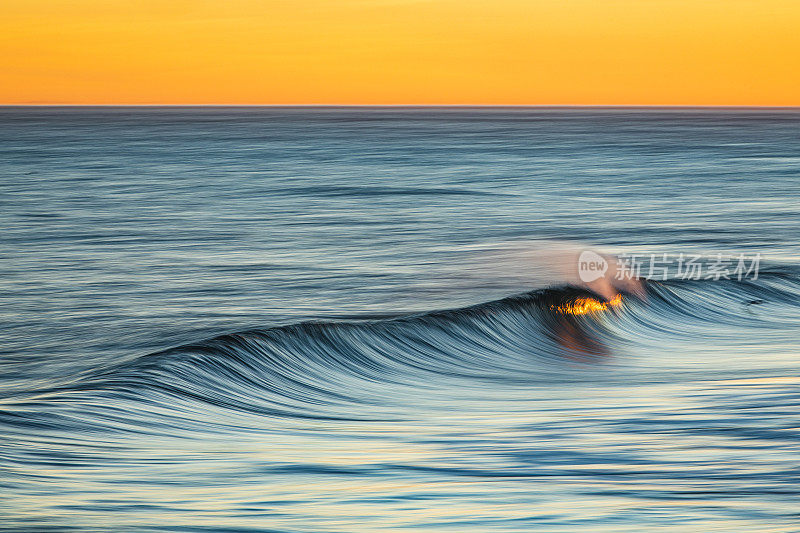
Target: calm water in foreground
point(226, 319)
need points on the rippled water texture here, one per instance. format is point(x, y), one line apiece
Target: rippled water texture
point(322, 319)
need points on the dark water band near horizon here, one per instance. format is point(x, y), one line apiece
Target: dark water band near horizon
point(338, 319)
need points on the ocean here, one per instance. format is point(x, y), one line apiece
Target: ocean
point(327, 319)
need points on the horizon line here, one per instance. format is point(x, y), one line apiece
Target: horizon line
point(639, 106)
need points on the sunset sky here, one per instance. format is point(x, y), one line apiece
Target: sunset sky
point(583, 52)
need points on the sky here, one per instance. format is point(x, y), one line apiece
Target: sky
point(455, 52)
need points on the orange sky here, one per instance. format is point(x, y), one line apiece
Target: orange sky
point(644, 52)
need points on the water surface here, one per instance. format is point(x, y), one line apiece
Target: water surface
point(285, 319)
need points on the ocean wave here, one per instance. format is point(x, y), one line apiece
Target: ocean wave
point(351, 370)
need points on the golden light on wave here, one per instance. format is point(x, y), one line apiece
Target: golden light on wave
point(582, 306)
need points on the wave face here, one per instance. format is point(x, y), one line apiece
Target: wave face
point(231, 320)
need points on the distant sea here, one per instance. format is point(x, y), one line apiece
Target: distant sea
point(271, 319)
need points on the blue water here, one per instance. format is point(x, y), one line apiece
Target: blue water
point(317, 320)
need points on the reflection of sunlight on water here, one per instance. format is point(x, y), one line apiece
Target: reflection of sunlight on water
point(582, 306)
point(572, 335)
